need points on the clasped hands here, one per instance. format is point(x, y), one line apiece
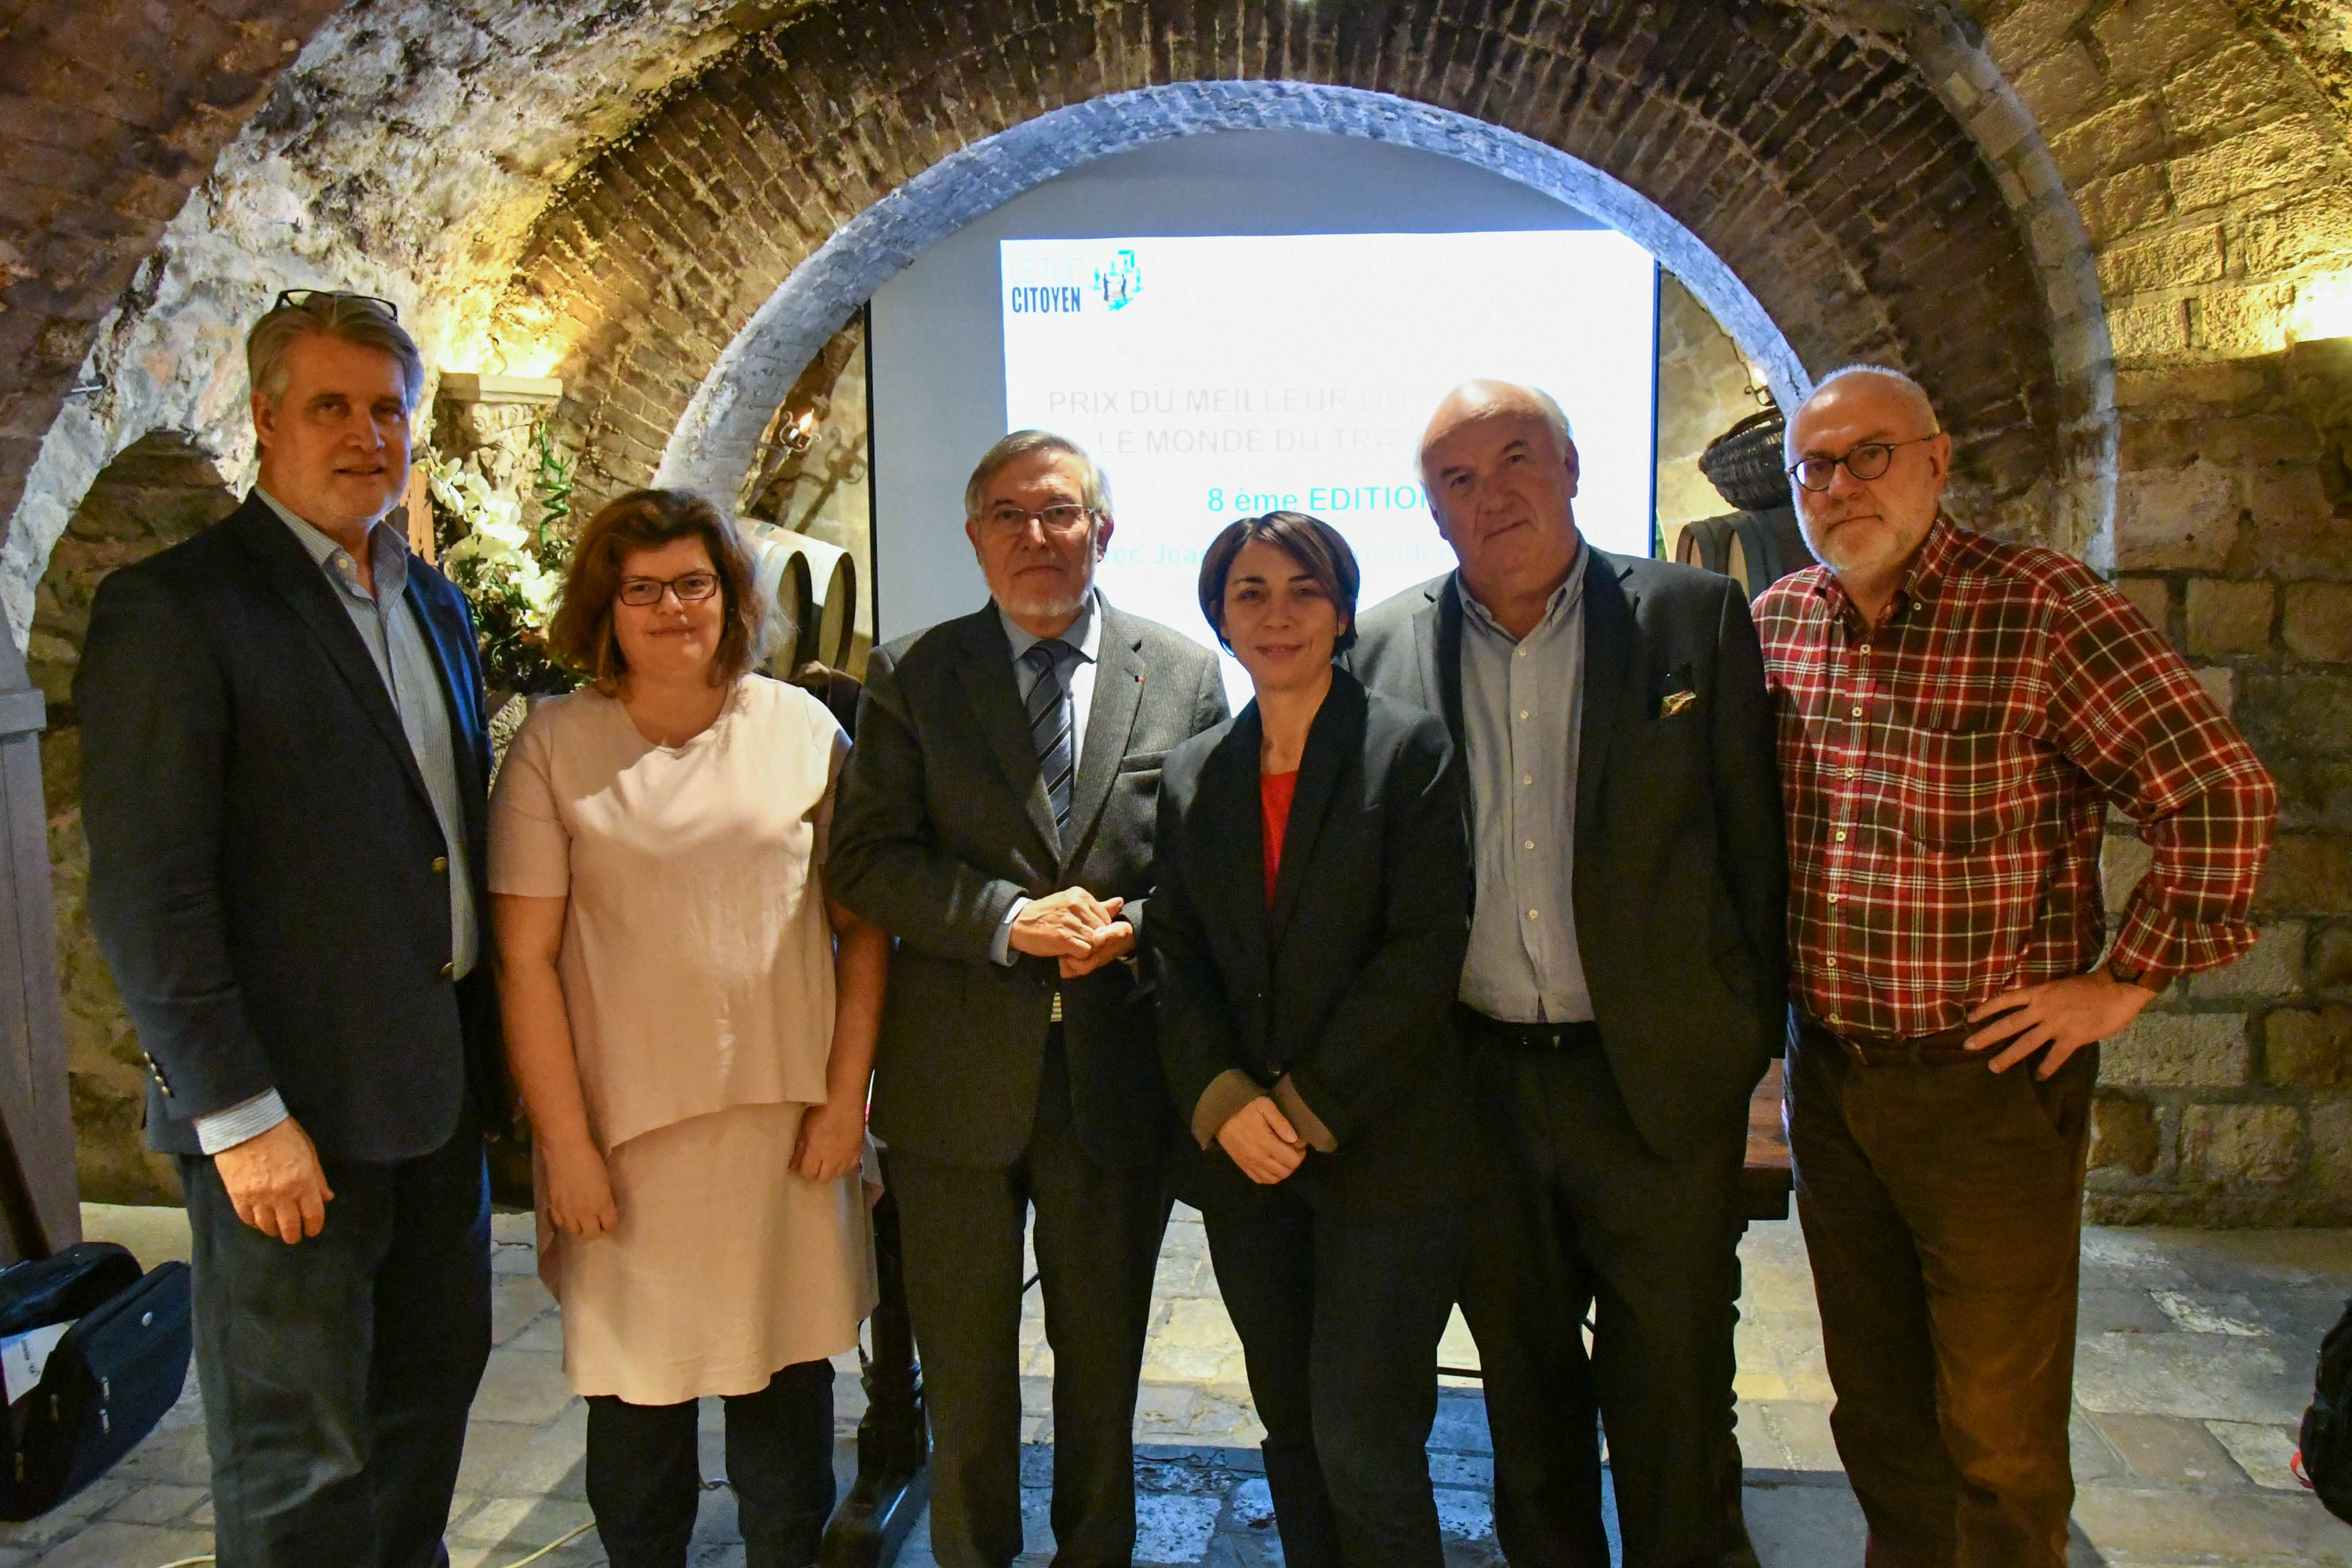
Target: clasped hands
point(1073, 926)
point(1261, 1141)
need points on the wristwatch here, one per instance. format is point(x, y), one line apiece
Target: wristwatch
point(2130, 974)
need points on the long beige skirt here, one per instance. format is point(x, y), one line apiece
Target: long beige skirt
point(725, 1267)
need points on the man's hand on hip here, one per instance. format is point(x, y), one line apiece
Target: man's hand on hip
point(1066, 924)
point(276, 1184)
point(2064, 1015)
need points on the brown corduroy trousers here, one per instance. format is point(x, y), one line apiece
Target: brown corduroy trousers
point(1942, 1208)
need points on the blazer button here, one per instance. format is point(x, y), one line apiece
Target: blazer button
point(440, 864)
point(447, 969)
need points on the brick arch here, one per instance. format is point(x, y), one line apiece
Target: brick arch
point(103, 144)
point(1816, 164)
point(717, 436)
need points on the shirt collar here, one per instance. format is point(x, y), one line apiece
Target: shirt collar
point(387, 552)
point(1084, 634)
point(1570, 593)
point(1925, 574)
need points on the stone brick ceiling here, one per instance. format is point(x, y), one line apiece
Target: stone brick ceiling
point(1814, 160)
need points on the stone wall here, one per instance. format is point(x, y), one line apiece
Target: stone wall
point(109, 117)
point(161, 490)
point(2231, 1100)
point(2210, 172)
point(1702, 381)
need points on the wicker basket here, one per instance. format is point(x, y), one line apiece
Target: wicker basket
point(1745, 465)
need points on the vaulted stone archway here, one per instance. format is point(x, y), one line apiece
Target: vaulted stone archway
point(1803, 178)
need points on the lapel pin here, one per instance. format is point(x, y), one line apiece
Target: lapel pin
point(1676, 703)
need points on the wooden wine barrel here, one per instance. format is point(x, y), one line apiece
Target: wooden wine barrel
point(1755, 549)
point(814, 586)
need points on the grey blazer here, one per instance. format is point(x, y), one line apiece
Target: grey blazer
point(942, 822)
point(1681, 879)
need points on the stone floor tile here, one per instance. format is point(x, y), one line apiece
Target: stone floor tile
point(2168, 1450)
point(1461, 1424)
point(1462, 1470)
point(159, 1504)
point(1195, 1344)
point(517, 1301)
point(526, 1522)
point(1465, 1513)
point(2265, 1453)
point(71, 1515)
point(553, 1463)
point(1801, 1427)
point(2196, 1348)
point(2119, 1311)
point(1805, 1526)
point(490, 1447)
point(113, 1544)
point(2094, 1458)
point(2206, 1376)
point(1172, 1527)
point(523, 1385)
point(2190, 1526)
point(1761, 1448)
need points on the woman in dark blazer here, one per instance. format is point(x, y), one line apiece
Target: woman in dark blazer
point(1308, 925)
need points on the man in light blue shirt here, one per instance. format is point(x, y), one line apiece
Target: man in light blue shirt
point(284, 767)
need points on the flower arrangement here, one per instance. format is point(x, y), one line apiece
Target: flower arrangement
point(510, 572)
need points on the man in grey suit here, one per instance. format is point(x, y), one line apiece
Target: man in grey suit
point(1625, 983)
point(996, 816)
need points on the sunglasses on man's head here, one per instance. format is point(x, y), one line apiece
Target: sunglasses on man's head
point(300, 298)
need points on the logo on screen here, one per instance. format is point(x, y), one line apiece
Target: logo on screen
point(1120, 282)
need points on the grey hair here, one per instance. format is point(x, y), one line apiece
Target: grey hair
point(352, 317)
point(1910, 391)
point(1094, 485)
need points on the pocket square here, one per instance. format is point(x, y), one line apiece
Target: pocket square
point(1674, 702)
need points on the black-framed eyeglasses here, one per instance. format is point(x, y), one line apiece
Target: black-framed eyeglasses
point(1867, 461)
point(1059, 517)
point(298, 297)
point(691, 588)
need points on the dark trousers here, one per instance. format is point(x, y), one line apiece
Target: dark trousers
point(1942, 1207)
point(644, 1472)
point(1574, 1213)
point(337, 1372)
point(1340, 1318)
point(1097, 1238)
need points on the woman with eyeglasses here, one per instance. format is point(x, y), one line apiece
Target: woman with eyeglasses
point(1308, 923)
point(691, 1024)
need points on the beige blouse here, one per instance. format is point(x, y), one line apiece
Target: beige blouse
point(697, 961)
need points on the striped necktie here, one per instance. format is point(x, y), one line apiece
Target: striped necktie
point(1050, 727)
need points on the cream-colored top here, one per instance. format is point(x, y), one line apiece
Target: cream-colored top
point(697, 960)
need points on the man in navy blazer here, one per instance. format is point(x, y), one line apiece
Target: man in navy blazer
point(284, 768)
point(1625, 987)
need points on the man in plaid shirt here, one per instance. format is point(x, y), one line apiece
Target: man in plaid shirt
point(1955, 716)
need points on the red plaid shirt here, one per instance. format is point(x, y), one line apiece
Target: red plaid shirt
point(1948, 776)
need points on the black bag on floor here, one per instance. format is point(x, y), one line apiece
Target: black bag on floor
point(2326, 1439)
point(107, 1381)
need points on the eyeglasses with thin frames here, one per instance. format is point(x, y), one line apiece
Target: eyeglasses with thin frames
point(1059, 517)
point(298, 298)
point(691, 588)
point(1868, 461)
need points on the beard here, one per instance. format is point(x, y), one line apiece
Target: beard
point(1871, 548)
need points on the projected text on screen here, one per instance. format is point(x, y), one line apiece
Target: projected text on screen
point(1218, 377)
